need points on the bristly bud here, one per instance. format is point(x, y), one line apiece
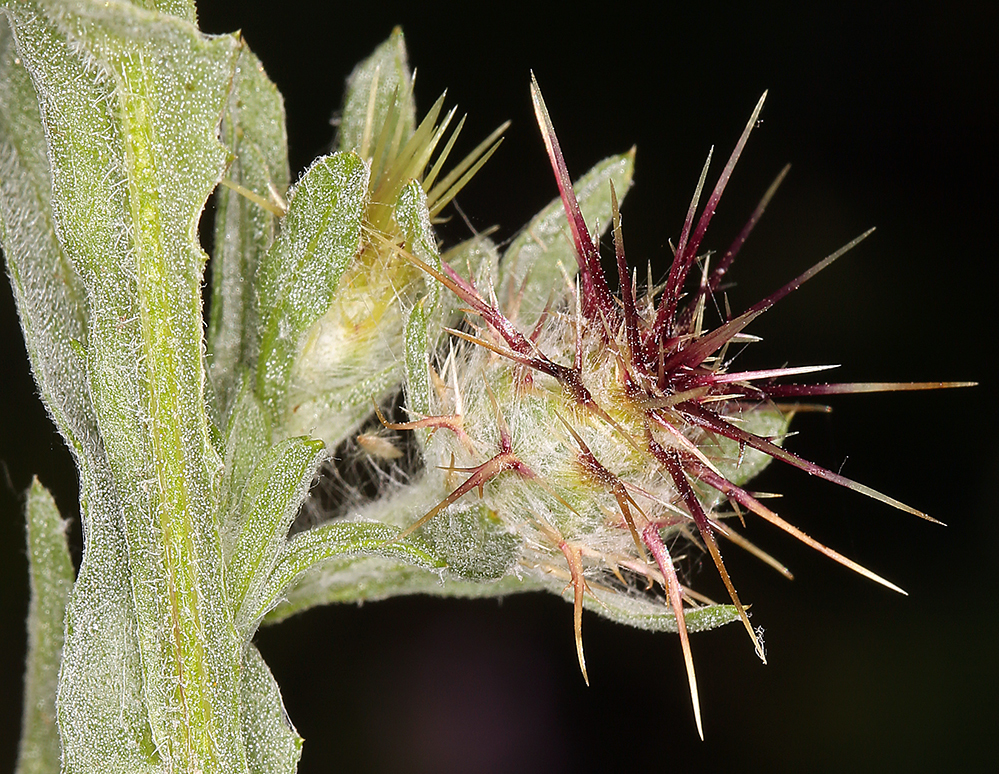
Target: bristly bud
point(593, 443)
point(353, 351)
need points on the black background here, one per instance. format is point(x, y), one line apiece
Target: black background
point(889, 118)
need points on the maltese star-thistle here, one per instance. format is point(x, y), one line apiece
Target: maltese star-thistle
point(610, 432)
point(606, 434)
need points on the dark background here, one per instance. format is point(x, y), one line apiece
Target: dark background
point(890, 119)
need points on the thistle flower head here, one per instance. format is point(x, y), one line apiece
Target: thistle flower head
point(612, 433)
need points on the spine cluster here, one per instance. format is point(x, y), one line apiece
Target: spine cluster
point(613, 432)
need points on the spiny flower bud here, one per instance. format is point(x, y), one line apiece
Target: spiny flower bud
point(585, 447)
point(353, 350)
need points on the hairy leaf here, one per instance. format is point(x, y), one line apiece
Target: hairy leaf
point(387, 70)
point(301, 271)
point(102, 709)
point(247, 439)
point(370, 579)
point(253, 128)
point(131, 101)
point(268, 506)
point(417, 370)
point(655, 615)
point(50, 296)
point(272, 744)
point(334, 541)
point(51, 581)
point(102, 717)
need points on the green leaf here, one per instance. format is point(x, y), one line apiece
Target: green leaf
point(418, 371)
point(387, 70)
point(476, 259)
point(474, 543)
point(51, 580)
point(371, 579)
point(653, 614)
point(183, 9)
point(50, 296)
point(300, 273)
point(268, 506)
point(542, 256)
point(272, 744)
point(253, 127)
point(247, 439)
point(360, 560)
point(102, 710)
point(413, 218)
point(334, 541)
point(131, 101)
